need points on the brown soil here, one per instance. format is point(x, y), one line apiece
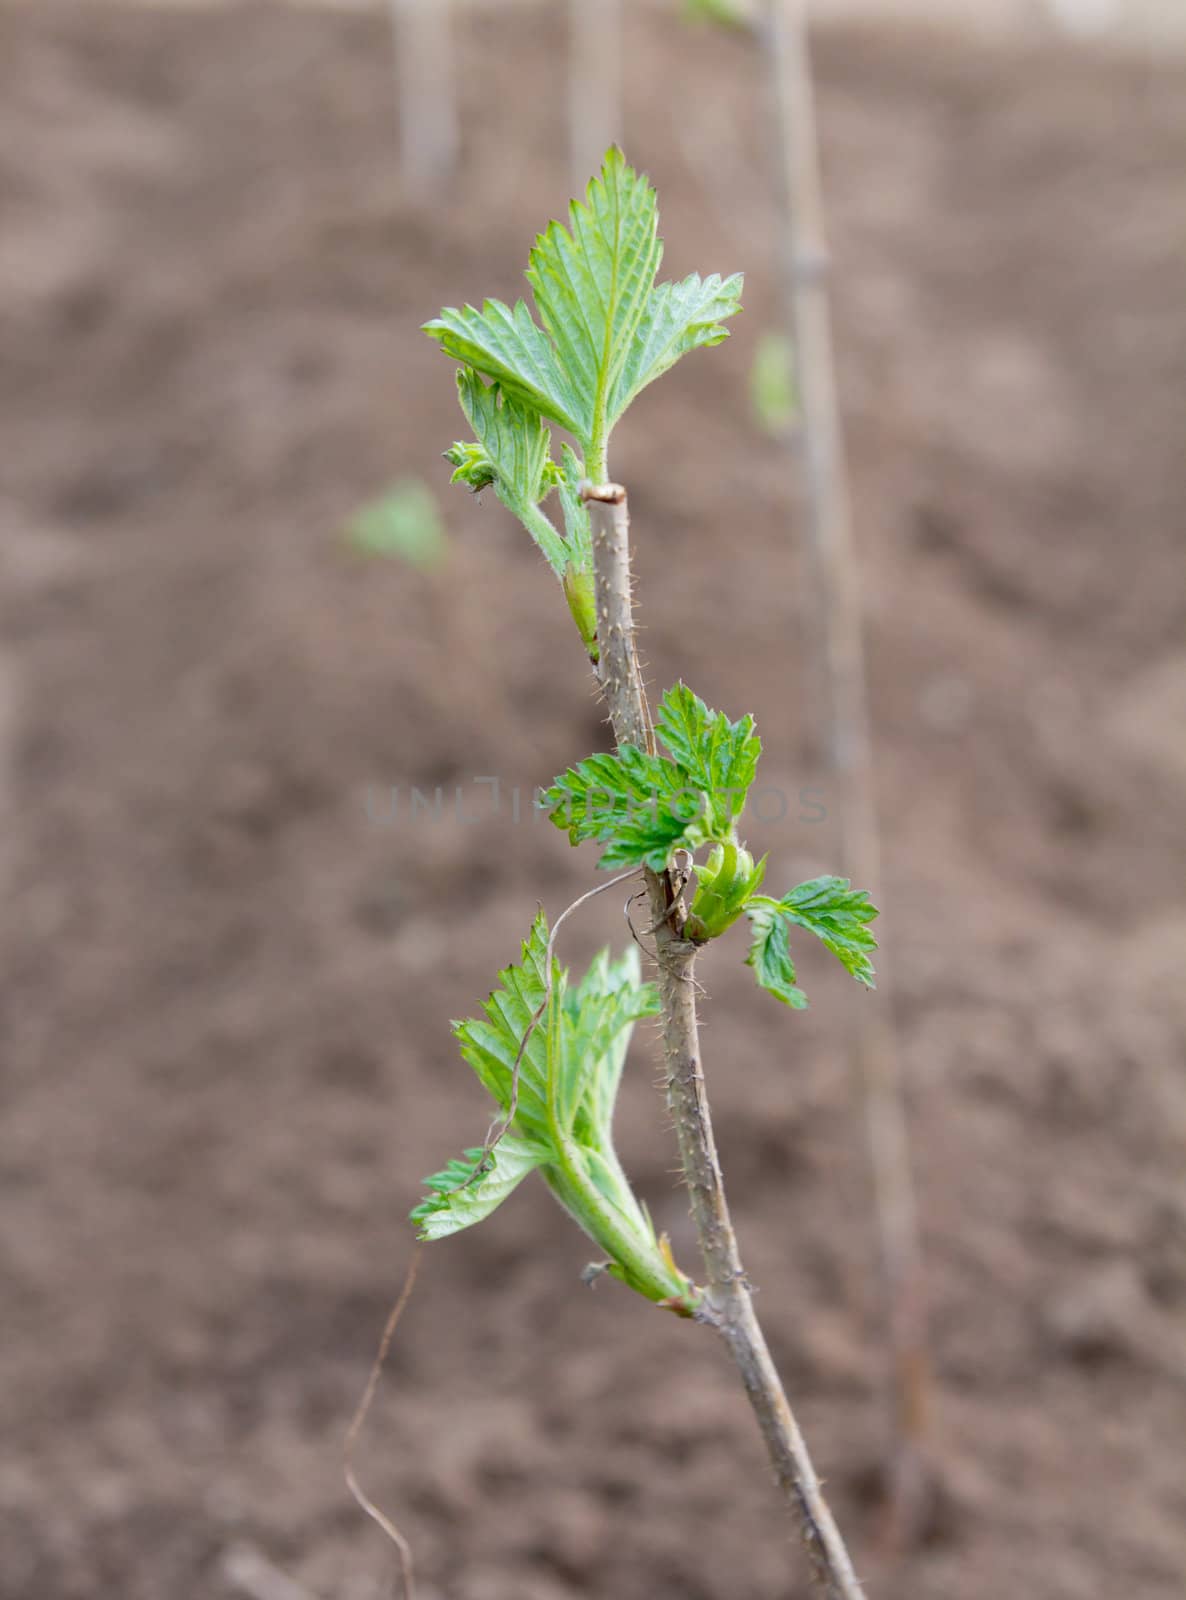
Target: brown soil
point(226, 1051)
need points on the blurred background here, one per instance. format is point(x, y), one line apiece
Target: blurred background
point(240, 606)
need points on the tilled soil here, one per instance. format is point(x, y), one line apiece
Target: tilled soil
point(228, 978)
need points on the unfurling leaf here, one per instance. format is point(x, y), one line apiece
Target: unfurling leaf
point(578, 574)
point(569, 1071)
point(718, 756)
point(770, 955)
point(828, 907)
point(838, 915)
point(644, 807)
point(577, 529)
point(471, 1188)
point(637, 805)
point(471, 465)
point(608, 329)
point(510, 348)
point(726, 882)
point(512, 453)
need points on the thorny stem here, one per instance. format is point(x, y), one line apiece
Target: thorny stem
point(727, 1304)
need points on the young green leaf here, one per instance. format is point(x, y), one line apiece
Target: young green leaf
point(509, 347)
point(592, 283)
point(726, 882)
point(577, 530)
point(639, 806)
point(569, 1072)
point(463, 1193)
point(828, 907)
point(769, 953)
point(579, 586)
point(490, 1044)
point(680, 317)
point(512, 453)
point(838, 915)
point(471, 465)
point(513, 437)
point(607, 330)
point(643, 807)
point(716, 755)
point(598, 1019)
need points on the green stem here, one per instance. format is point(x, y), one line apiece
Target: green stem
point(596, 458)
point(548, 538)
point(639, 1263)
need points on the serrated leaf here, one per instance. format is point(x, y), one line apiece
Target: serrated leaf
point(637, 805)
point(716, 755)
point(514, 445)
point(769, 953)
point(577, 529)
point(592, 281)
point(599, 1017)
point(679, 318)
point(829, 908)
point(563, 1121)
point(838, 915)
point(512, 435)
point(457, 1199)
point(509, 346)
point(607, 330)
point(643, 807)
point(490, 1043)
point(593, 1022)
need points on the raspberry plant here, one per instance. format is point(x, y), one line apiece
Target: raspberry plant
point(665, 805)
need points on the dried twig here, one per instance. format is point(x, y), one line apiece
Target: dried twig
point(727, 1304)
point(836, 606)
point(398, 1539)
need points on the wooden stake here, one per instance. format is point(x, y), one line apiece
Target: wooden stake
point(594, 86)
point(836, 603)
point(426, 94)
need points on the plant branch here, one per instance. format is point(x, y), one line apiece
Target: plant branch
point(618, 669)
point(727, 1305)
